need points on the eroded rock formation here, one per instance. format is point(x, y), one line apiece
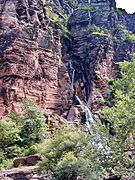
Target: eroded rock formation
point(35, 60)
point(93, 53)
point(30, 59)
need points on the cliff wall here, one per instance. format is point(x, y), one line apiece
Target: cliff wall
point(30, 59)
point(99, 34)
point(35, 59)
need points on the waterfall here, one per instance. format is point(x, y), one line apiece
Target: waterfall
point(92, 129)
point(78, 100)
point(73, 75)
point(89, 11)
point(90, 122)
point(91, 125)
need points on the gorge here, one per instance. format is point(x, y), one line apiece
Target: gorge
point(62, 55)
point(35, 60)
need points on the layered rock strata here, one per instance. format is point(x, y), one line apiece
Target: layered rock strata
point(98, 31)
point(30, 59)
point(33, 55)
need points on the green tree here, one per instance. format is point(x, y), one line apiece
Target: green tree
point(9, 140)
point(33, 122)
point(62, 152)
point(69, 155)
point(122, 118)
point(19, 131)
point(9, 133)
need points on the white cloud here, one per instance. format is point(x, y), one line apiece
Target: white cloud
point(129, 5)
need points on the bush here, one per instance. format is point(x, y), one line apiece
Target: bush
point(32, 150)
point(98, 30)
point(124, 35)
point(34, 126)
point(9, 140)
point(18, 132)
point(6, 164)
point(69, 155)
point(130, 38)
point(70, 167)
point(122, 118)
point(9, 133)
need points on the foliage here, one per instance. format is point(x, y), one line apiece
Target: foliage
point(60, 19)
point(98, 30)
point(65, 32)
point(31, 150)
point(15, 117)
point(124, 35)
point(54, 18)
point(122, 117)
point(6, 164)
point(130, 38)
point(33, 123)
point(9, 133)
point(121, 26)
point(19, 131)
point(9, 138)
point(70, 166)
point(84, 8)
point(119, 11)
point(115, 38)
point(69, 155)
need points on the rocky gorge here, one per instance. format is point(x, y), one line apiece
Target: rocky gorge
point(35, 60)
point(54, 61)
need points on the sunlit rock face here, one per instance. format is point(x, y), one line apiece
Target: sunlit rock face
point(30, 59)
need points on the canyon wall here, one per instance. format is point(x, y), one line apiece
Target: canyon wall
point(30, 59)
point(99, 39)
point(35, 58)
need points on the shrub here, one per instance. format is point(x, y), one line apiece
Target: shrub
point(122, 118)
point(124, 35)
point(130, 38)
point(6, 164)
point(69, 155)
point(34, 126)
point(98, 30)
point(9, 133)
point(119, 11)
point(9, 140)
point(32, 150)
point(18, 132)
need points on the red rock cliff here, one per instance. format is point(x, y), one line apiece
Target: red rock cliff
point(30, 59)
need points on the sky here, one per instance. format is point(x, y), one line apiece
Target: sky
point(129, 5)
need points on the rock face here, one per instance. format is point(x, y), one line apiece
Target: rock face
point(30, 59)
point(32, 49)
point(37, 63)
point(93, 52)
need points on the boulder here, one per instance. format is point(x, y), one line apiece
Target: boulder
point(33, 159)
point(27, 161)
point(20, 161)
